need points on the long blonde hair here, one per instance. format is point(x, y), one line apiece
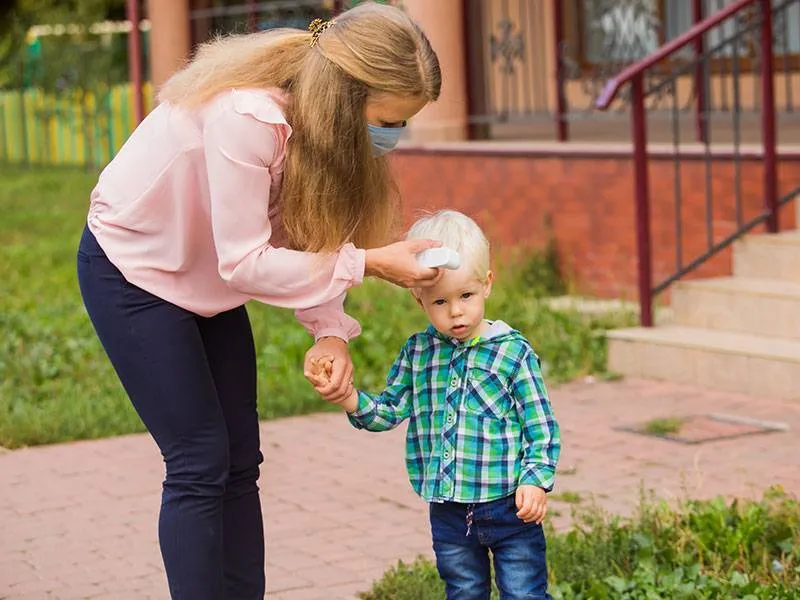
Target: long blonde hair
point(334, 190)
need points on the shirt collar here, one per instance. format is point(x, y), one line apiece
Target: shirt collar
point(496, 329)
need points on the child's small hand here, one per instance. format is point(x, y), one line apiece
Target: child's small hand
point(319, 374)
point(532, 503)
point(321, 369)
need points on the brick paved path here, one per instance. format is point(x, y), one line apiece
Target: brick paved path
point(79, 520)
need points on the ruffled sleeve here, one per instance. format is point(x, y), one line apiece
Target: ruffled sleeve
point(329, 320)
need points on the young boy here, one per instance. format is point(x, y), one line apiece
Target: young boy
point(482, 442)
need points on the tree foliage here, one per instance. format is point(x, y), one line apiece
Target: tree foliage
point(18, 16)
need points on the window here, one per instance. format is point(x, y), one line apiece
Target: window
point(624, 31)
point(620, 32)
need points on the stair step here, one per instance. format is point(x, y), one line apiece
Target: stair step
point(723, 360)
point(769, 307)
point(775, 256)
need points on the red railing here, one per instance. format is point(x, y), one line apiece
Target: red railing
point(135, 58)
point(637, 80)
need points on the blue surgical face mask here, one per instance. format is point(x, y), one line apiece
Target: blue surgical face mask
point(384, 139)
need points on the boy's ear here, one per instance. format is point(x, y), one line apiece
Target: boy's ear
point(488, 284)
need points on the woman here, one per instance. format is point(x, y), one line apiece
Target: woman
point(259, 176)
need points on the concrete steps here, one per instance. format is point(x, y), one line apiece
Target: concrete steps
point(767, 307)
point(738, 334)
point(734, 362)
point(768, 256)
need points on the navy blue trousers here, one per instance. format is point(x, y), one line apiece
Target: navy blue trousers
point(192, 380)
point(463, 536)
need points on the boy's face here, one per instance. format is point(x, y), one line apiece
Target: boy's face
point(455, 305)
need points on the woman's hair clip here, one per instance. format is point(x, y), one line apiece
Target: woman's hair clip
point(316, 27)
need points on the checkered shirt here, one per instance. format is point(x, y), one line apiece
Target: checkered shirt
point(479, 419)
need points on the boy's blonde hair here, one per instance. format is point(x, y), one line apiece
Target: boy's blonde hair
point(334, 190)
point(460, 233)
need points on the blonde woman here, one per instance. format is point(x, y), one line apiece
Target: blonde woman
point(261, 175)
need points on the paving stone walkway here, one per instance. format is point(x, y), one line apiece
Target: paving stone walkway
point(79, 520)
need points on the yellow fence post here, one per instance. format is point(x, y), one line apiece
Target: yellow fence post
point(67, 128)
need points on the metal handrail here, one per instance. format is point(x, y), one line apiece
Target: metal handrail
point(693, 34)
point(635, 77)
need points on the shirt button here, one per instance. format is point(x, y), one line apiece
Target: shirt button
point(454, 382)
point(450, 417)
point(447, 454)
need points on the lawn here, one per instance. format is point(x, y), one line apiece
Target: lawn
point(698, 550)
point(56, 383)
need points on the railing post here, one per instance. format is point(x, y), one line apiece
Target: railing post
point(768, 117)
point(639, 124)
point(135, 59)
point(562, 132)
point(477, 101)
point(701, 115)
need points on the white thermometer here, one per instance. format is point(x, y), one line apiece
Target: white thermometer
point(434, 258)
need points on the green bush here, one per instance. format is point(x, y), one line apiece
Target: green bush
point(417, 581)
point(56, 384)
point(713, 550)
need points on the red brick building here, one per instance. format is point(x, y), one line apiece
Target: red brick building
point(515, 139)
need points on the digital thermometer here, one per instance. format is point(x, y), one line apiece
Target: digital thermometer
point(434, 258)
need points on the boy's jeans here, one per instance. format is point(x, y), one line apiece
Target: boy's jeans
point(518, 549)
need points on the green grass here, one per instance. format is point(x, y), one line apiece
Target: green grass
point(567, 497)
point(699, 550)
point(665, 426)
point(56, 383)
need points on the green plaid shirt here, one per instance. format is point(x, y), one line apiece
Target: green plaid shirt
point(479, 419)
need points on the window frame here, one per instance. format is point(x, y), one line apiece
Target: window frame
point(575, 22)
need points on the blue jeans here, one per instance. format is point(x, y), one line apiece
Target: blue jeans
point(462, 548)
point(192, 380)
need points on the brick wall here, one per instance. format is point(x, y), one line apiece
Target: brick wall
point(588, 200)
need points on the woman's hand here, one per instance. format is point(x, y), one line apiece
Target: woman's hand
point(397, 263)
point(332, 352)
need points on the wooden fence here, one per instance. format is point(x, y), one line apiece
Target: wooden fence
point(66, 128)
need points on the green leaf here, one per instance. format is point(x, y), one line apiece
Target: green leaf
point(739, 579)
point(616, 583)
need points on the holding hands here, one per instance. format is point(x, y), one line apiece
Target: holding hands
point(329, 369)
point(334, 382)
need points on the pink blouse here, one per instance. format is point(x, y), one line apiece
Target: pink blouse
point(189, 210)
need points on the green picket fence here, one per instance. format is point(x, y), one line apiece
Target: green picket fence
point(68, 128)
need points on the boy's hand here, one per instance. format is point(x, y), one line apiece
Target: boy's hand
point(319, 370)
point(322, 367)
point(532, 503)
point(337, 384)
